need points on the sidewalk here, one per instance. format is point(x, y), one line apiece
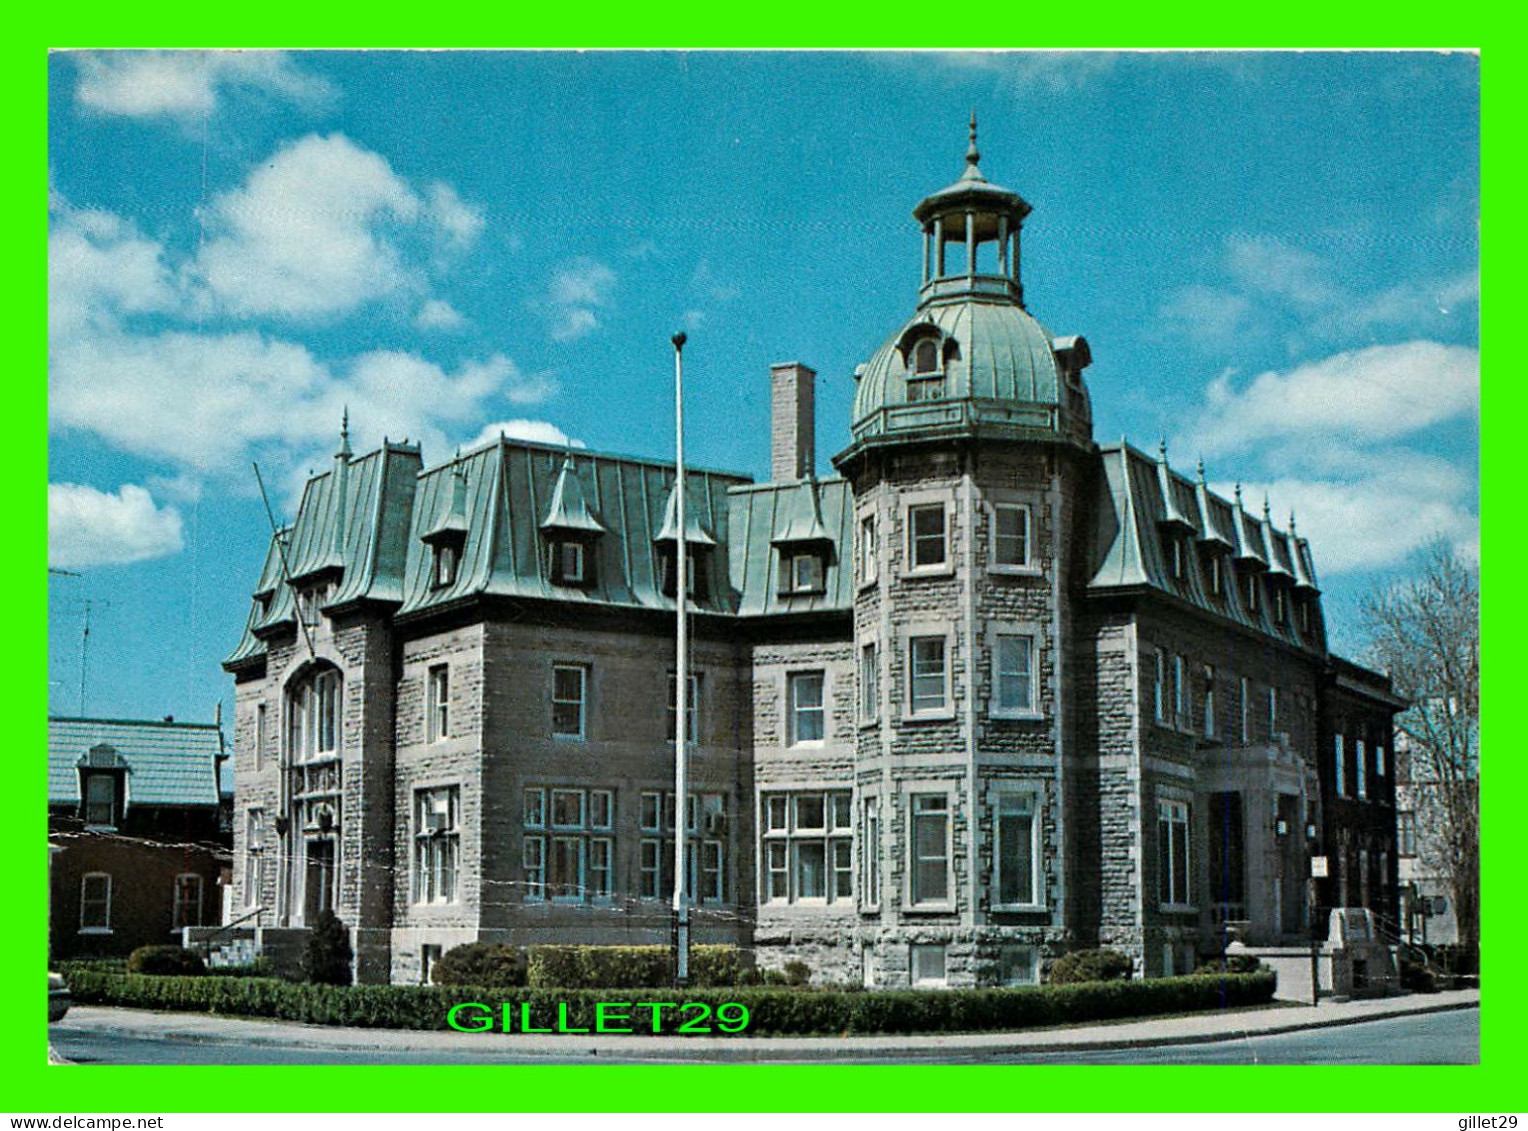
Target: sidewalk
point(202, 1028)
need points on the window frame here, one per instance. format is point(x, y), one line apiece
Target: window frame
point(926, 503)
point(91, 808)
point(781, 844)
point(1030, 798)
point(868, 557)
point(1339, 766)
point(254, 854)
point(177, 908)
point(870, 852)
point(692, 708)
point(445, 562)
point(869, 688)
point(917, 955)
point(437, 851)
point(1174, 813)
point(581, 703)
point(1245, 687)
point(1211, 724)
point(910, 708)
point(794, 710)
point(916, 901)
point(1002, 639)
point(995, 563)
point(1361, 776)
point(437, 702)
point(104, 902)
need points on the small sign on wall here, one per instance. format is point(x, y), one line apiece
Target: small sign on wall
point(1318, 868)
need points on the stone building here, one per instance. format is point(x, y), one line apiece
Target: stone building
point(991, 692)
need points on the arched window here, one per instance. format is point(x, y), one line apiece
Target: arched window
point(313, 715)
point(926, 357)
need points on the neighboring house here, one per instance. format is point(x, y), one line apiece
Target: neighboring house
point(1427, 895)
point(135, 809)
point(991, 693)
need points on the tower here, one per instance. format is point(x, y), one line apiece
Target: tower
point(970, 449)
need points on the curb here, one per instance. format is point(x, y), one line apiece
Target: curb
point(777, 1048)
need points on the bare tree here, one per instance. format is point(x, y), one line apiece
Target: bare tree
point(1425, 631)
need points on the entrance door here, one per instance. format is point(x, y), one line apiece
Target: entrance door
point(318, 879)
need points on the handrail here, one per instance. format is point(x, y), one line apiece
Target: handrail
point(226, 927)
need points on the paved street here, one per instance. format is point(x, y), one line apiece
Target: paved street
point(111, 1036)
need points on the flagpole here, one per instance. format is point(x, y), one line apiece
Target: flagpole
point(681, 680)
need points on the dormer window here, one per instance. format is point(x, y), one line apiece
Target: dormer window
point(1251, 593)
point(1280, 604)
point(101, 800)
point(926, 358)
point(310, 600)
point(695, 574)
point(801, 571)
point(443, 568)
point(1217, 575)
point(572, 561)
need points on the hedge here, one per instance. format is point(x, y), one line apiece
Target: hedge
point(773, 1012)
point(627, 967)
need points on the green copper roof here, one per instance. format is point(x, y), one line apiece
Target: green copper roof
point(570, 507)
point(1141, 501)
point(167, 763)
point(772, 517)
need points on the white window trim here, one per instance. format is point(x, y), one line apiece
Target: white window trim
point(949, 791)
point(792, 837)
point(909, 634)
point(862, 700)
point(175, 906)
point(437, 706)
point(788, 698)
point(1361, 776)
point(105, 929)
point(995, 709)
point(907, 504)
point(583, 702)
point(917, 982)
point(1036, 843)
point(1339, 766)
point(868, 834)
point(1245, 685)
point(1166, 801)
point(867, 568)
point(1030, 567)
point(1159, 689)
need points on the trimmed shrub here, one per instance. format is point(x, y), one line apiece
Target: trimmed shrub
point(1102, 965)
point(1229, 964)
point(326, 954)
point(480, 964)
point(797, 973)
point(628, 967)
point(165, 961)
point(771, 1011)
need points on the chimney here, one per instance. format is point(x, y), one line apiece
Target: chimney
point(793, 422)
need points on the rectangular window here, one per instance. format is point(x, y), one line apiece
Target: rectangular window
point(570, 561)
point(930, 844)
point(262, 723)
point(1246, 711)
point(1273, 714)
point(565, 871)
point(1014, 657)
point(188, 901)
point(650, 815)
point(926, 964)
point(1159, 688)
point(1172, 852)
point(1176, 545)
point(1010, 536)
point(926, 665)
point(1362, 775)
point(437, 844)
point(569, 685)
point(692, 708)
point(1209, 701)
point(1406, 833)
point(567, 808)
point(801, 572)
point(808, 848)
point(601, 809)
point(95, 902)
point(868, 558)
point(806, 708)
point(694, 576)
point(443, 572)
point(438, 706)
point(926, 548)
point(869, 689)
point(1279, 604)
point(1017, 966)
point(254, 855)
point(1339, 767)
point(101, 800)
point(1180, 691)
point(1380, 769)
point(711, 877)
point(1251, 594)
point(534, 861)
point(1017, 850)
point(870, 853)
point(654, 865)
point(429, 955)
point(1217, 577)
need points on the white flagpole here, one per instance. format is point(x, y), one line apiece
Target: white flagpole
point(681, 680)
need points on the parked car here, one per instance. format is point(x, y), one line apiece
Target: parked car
point(59, 999)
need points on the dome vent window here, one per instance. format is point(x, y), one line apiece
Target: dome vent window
point(926, 358)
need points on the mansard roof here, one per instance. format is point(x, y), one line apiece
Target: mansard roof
point(167, 763)
point(810, 513)
point(1139, 495)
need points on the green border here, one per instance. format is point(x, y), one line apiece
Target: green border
point(30, 1085)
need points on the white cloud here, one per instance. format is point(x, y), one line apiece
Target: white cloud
point(535, 431)
point(187, 84)
point(437, 314)
point(1211, 318)
point(1345, 441)
point(457, 220)
point(87, 527)
point(1374, 394)
point(577, 291)
point(100, 270)
point(308, 234)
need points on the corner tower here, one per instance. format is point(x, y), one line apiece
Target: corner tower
point(971, 448)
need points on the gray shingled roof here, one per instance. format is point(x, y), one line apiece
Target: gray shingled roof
point(168, 763)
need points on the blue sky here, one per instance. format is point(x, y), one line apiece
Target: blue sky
point(1273, 256)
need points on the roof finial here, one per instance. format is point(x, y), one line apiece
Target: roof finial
point(1291, 522)
point(973, 155)
point(1267, 510)
point(1201, 470)
point(1162, 449)
point(1238, 495)
point(344, 432)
